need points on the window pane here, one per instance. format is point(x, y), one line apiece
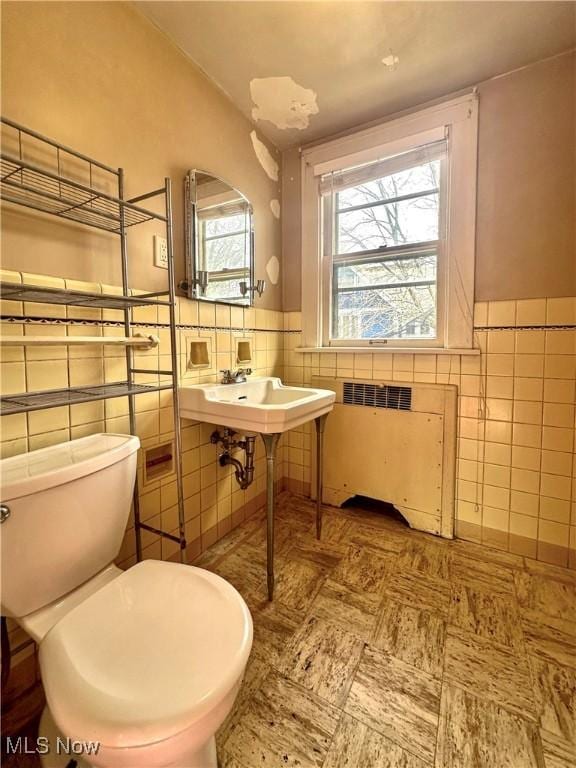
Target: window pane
point(418, 179)
point(231, 252)
point(224, 225)
point(394, 297)
point(349, 274)
point(385, 313)
point(391, 224)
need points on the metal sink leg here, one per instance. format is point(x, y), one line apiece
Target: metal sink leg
point(320, 423)
point(270, 444)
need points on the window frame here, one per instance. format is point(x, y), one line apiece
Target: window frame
point(458, 120)
point(389, 253)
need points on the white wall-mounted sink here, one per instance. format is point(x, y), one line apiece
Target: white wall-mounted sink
point(263, 405)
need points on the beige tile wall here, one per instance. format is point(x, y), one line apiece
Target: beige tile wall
point(516, 486)
point(516, 468)
point(213, 502)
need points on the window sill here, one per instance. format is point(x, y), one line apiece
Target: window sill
point(391, 350)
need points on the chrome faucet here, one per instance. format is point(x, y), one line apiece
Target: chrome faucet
point(235, 377)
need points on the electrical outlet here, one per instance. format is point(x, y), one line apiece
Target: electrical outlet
point(160, 252)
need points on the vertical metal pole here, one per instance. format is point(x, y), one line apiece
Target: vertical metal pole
point(174, 353)
point(320, 422)
point(270, 444)
point(129, 366)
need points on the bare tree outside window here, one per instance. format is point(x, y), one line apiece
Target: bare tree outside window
point(385, 260)
point(225, 253)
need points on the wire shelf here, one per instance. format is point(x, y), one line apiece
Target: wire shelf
point(31, 175)
point(45, 295)
point(53, 398)
point(34, 187)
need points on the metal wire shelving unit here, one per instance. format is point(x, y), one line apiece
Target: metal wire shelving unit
point(54, 398)
point(69, 297)
point(51, 188)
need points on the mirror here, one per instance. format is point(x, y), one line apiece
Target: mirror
point(219, 241)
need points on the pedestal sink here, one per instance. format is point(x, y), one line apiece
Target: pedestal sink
point(268, 407)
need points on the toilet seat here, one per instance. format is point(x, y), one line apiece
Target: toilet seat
point(146, 656)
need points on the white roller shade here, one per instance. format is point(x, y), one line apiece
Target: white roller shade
point(336, 181)
point(222, 211)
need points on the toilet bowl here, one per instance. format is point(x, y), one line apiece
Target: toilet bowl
point(140, 667)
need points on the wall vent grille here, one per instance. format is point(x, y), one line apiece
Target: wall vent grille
point(377, 396)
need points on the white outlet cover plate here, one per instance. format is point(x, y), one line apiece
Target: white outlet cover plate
point(160, 252)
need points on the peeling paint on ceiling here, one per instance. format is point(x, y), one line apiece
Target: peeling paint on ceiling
point(264, 157)
point(391, 61)
point(273, 270)
point(282, 102)
point(336, 47)
point(275, 208)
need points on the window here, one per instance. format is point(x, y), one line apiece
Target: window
point(388, 233)
point(224, 248)
point(383, 226)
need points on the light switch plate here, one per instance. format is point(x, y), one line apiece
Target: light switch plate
point(160, 252)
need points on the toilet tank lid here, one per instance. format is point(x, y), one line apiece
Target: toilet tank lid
point(58, 464)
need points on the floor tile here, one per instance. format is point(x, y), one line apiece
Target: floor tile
point(549, 571)
point(397, 701)
point(557, 752)
point(355, 745)
point(247, 574)
point(550, 596)
point(549, 638)
point(480, 574)
point(297, 583)
point(429, 559)
point(475, 733)
point(274, 626)
point(415, 637)
point(283, 536)
point(323, 659)
point(226, 760)
point(282, 725)
point(362, 569)
point(377, 539)
point(298, 513)
point(555, 689)
point(229, 542)
point(257, 670)
point(324, 554)
point(296, 508)
point(492, 672)
point(420, 592)
point(471, 551)
point(335, 526)
point(492, 616)
point(253, 552)
point(507, 702)
point(351, 610)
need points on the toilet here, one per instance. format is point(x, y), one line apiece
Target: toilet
point(145, 662)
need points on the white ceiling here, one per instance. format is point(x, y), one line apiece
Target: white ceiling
point(335, 49)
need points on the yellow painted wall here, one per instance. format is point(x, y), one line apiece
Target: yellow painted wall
point(100, 78)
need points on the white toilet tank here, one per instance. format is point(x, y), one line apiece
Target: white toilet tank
point(68, 508)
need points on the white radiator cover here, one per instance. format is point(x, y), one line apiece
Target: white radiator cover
point(405, 457)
